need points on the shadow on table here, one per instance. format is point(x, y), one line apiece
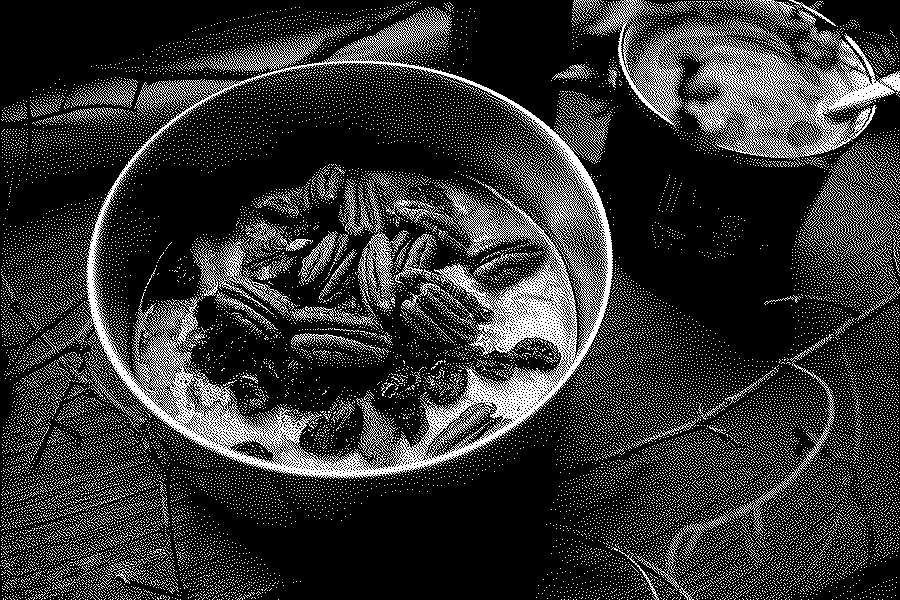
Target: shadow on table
point(482, 538)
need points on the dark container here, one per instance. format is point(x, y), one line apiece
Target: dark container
point(709, 230)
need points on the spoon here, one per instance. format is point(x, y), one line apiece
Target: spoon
point(850, 104)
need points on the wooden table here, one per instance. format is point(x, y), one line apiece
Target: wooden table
point(92, 513)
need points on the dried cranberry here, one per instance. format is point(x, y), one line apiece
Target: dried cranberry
point(445, 382)
point(535, 353)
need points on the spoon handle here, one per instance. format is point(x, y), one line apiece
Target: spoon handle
point(857, 100)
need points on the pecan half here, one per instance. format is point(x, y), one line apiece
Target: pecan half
point(493, 424)
point(400, 245)
point(440, 219)
point(324, 272)
point(414, 279)
point(433, 316)
point(281, 205)
point(323, 190)
point(329, 338)
point(471, 421)
point(289, 205)
point(362, 210)
point(256, 306)
point(422, 253)
point(439, 310)
point(264, 247)
point(376, 276)
point(501, 263)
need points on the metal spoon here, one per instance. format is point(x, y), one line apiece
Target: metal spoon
point(850, 104)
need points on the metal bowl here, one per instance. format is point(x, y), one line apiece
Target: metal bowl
point(193, 175)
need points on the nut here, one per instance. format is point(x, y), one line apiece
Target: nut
point(502, 263)
point(288, 205)
point(471, 421)
point(362, 210)
point(263, 310)
point(281, 205)
point(493, 424)
point(376, 276)
point(431, 211)
point(400, 245)
point(413, 280)
point(330, 338)
point(422, 253)
point(432, 315)
point(325, 271)
point(439, 310)
point(323, 189)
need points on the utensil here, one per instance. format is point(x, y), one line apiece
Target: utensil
point(850, 104)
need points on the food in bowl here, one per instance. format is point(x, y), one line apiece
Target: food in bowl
point(365, 319)
point(756, 86)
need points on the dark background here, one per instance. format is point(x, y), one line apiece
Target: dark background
point(517, 44)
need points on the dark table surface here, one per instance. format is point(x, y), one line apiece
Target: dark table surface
point(92, 510)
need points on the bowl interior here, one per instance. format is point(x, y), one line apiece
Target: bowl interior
point(636, 34)
point(275, 130)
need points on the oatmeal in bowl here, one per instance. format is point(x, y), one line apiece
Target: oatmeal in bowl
point(361, 320)
point(349, 277)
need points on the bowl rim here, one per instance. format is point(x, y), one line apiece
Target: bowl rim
point(124, 373)
point(622, 55)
